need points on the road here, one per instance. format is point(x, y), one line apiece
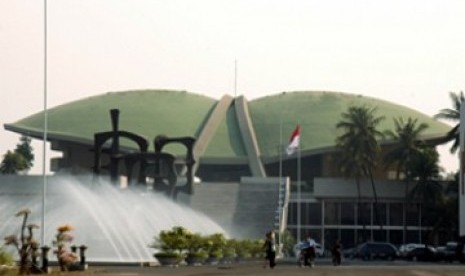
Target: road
point(286, 268)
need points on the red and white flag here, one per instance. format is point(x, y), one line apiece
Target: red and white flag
point(294, 141)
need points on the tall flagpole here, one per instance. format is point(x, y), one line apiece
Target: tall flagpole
point(299, 198)
point(461, 188)
point(280, 178)
point(44, 155)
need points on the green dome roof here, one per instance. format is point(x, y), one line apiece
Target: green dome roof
point(179, 113)
point(318, 113)
point(145, 112)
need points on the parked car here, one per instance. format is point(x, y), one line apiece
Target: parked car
point(319, 251)
point(423, 254)
point(405, 248)
point(349, 253)
point(376, 250)
point(448, 252)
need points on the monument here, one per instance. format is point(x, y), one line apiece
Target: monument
point(158, 165)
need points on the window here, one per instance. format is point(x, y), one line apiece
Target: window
point(347, 213)
point(331, 213)
point(395, 214)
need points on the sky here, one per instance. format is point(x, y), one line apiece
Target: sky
point(410, 52)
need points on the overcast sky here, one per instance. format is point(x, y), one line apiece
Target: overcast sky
point(407, 52)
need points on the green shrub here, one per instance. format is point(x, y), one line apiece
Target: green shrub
point(198, 254)
point(6, 258)
point(171, 240)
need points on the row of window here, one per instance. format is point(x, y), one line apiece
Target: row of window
point(352, 237)
point(354, 222)
point(351, 213)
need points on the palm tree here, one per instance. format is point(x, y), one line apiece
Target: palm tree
point(439, 204)
point(407, 144)
point(359, 146)
point(454, 116)
point(425, 169)
point(443, 217)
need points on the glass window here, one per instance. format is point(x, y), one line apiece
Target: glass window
point(395, 214)
point(363, 235)
point(379, 235)
point(331, 213)
point(413, 236)
point(314, 233)
point(379, 208)
point(364, 214)
point(347, 213)
point(348, 238)
point(331, 235)
point(395, 237)
point(314, 213)
point(412, 214)
point(292, 213)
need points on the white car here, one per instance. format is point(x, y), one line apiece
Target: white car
point(319, 251)
point(406, 248)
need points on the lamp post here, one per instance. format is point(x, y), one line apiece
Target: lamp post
point(44, 154)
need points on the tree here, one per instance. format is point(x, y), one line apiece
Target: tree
point(425, 169)
point(453, 114)
point(439, 203)
point(12, 163)
point(407, 144)
point(359, 146)
point(20, 160)
point(25, 149)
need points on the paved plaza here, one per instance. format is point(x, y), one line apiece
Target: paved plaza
point(290, 269)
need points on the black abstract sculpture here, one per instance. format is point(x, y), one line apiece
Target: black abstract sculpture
point(159, 165)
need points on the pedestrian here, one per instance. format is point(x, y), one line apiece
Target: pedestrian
point(336, 252)
point(270, 250)
point(309, 253)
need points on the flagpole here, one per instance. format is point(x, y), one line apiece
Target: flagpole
point(280, 178)
point(44, 155)
point(299, 199)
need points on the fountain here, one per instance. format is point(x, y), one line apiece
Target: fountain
point(116, 224)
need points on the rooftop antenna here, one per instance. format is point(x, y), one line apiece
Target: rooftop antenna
point(235, 78)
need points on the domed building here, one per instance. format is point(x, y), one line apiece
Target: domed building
point(238, 139)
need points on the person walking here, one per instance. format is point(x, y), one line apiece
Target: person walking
point(336, 252)
point(309, 253)
point(270, 249)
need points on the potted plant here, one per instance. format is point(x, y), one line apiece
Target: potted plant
point(256, 249)
point(229, 255)
point(171, 245)
point(169, 258)
point(66, 258)
point(242, 249)
point(214, 246)
point(195, 244)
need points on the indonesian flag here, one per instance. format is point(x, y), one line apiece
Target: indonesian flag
point(294, 141)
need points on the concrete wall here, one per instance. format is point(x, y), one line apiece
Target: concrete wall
point(344, 188)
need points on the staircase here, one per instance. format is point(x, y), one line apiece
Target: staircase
point(247, 209)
